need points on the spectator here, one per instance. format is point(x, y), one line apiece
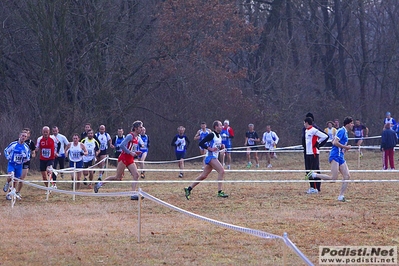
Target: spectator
point(331, 131)
point(388, 143)
point(389, 120)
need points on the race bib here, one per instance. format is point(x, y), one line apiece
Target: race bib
point(46, 153)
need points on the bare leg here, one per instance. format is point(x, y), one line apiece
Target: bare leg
point(135, 175)
point(343, 168)
point(208, 168)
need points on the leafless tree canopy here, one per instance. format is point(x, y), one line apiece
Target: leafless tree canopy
point(172, 63)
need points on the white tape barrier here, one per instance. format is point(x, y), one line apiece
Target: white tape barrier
point(253, 232)
point(241, 229)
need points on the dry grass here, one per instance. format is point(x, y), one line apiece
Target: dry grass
point(103, 230)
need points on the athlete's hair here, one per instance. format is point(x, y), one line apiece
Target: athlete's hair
point(348, 120)
point(203, 123)
point(136, 124)
point(226, 122)
point(250, 125)
point(216, 123)
point(76, 134)
point(54, 127)
point(181, 128)
point(27, 129)
point(308, 120)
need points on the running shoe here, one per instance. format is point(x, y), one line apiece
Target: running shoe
point(97, 187)
point(6, 187)
point(136, 197)
point(8, 196)
point(309, 175)
point(312, 191)
point(269, 166)
point(187, 193)
point(142, 175)
point(18, 195)
point(181, 175)
point(84, 181)
point(257, 165)
point(341, 198)
point(249, 165)
point(221, 194)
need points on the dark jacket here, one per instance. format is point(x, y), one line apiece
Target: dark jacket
point(388, 139)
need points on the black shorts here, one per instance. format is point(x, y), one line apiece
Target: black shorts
point(253, 148)
point(44, 164)
point(87, 164)
point(26, 165)
point(102, 152)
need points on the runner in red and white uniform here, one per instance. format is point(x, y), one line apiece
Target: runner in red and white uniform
point(47, 148)
point(130, 149)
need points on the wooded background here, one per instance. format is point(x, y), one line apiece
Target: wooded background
point(171, 63)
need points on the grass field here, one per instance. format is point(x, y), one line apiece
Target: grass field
point(103, 230)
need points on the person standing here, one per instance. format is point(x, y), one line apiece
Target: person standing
point(337, 158)
point(313, 138)
point(75, 152)
point(336, 123)
point(180, 142)
point(105, 141)
point(61, 143)
point(126, 159)
point(200, 135)
point(213, 144)
point(330, 130)
point(144, 145)
point(251, 139)
point(389, 119)
point(388, 143)
point(227, 134)
point(16, 153)
point(116, 141)
point(93, 149)
point(46, 146)
point(270, 140)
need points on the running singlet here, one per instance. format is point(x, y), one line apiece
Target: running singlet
point(268, 138)
point(91, 146)
point(17, 153)
point(358, 130)
point(47, 148)
point(144, 142)
point(103, 139)
point(226, 134)
point(342, 135)
point(251, 135)
point(203, 134)
point(75, 153)
point(215, 142)
point(181, 143)
point(118, 141)
point(132, 145)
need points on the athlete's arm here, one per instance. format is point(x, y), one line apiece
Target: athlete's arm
point(125, 143)
point(204, 141)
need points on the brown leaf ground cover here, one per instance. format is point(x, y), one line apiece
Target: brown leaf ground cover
point(104, 230)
